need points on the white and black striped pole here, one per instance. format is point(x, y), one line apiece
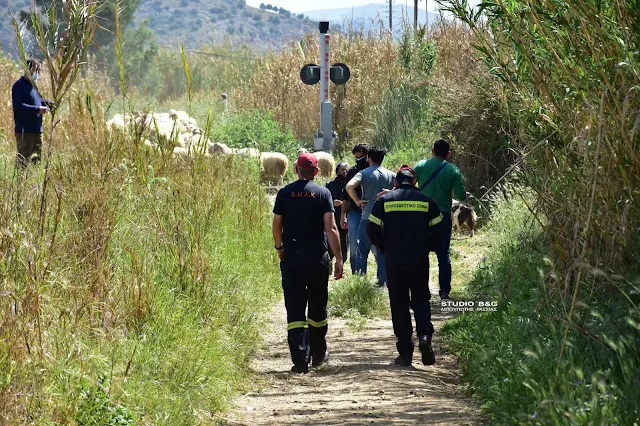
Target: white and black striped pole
point(338, 73)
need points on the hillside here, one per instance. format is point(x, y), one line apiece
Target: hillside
point(367, 15)
point(197, 22)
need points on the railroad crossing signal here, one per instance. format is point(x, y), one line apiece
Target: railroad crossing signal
point(311, 74)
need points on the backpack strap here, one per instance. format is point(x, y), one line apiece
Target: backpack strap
point(433, 175)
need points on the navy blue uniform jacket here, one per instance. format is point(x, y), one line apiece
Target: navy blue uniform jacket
point(406, 225)
point(26, 107)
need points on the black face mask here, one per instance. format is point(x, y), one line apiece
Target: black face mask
point(361, 163)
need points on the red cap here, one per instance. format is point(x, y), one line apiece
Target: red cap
point(307, 161)
point(406, 171)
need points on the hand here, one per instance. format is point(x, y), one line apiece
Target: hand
point(281, 254)
point(43, 110)
point(337, 269)
point(344, 224)
point(337, 203)
point(362, 203)
point(381, 193)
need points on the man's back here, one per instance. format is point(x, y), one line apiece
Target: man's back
point(373, 180)
point(302, 205)
point(409, 218)
point(448, 180)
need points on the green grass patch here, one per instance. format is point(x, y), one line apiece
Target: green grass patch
point(511, 357)
point(357, 298)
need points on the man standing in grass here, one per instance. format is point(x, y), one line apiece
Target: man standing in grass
point(373, 179)
point(303, 222)
point(351, 213)
point(28, 109)
point(439, 179)
point(336, 187)
point(406, 225)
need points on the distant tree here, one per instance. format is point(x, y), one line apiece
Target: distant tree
point(269, 7)
point(242, 4)
point(274, 20)
point(105, 35)
point(301, 16)
point(262, 6)
point(140, 53)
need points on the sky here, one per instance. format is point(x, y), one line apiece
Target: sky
point(299, 6)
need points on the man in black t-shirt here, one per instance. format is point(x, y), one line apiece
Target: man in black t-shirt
point(336, 187)
point(303, 222)
point(351, 214)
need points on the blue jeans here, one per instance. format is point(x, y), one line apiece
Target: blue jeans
point(365, 246)
point(353, 223)
point(444, 257)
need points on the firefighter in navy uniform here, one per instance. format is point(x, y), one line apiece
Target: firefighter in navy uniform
point(303, 222)
point(406, 225)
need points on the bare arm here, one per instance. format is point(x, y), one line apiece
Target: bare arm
point(351, 190)
point(333, 236)
point(276, 229)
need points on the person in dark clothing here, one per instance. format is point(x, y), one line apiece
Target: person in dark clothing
point(336, 187)
point(406, 225)
point(351, 213)
point(303, 222)
point(28, 109)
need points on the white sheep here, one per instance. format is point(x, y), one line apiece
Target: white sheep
point(273, 165)
point(219, 148)
point(326, 162)
point(248, 153)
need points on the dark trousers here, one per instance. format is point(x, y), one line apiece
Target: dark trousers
point(444, 257)
point(29, 147)
point(409, 288)
point(344, 244)
point(305, 282)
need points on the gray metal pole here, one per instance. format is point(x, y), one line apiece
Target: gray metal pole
point(391, 17)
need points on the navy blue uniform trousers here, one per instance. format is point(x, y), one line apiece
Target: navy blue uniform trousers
point(409, 288)
point(305, 283)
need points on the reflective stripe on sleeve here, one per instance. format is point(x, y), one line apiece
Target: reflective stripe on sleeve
point(375, 220)
point(318, 324)
point(296, 324)
point(437, 220)
point(406, 206)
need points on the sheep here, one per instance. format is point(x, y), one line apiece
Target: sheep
point(219, 148)
point(326, 162)
point(248, 153)
point(273, 165)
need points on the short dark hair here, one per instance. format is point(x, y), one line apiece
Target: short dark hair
point(34, 63)
point(361, 147)
point(307, 172)
point(377, 154)
point(441, 148)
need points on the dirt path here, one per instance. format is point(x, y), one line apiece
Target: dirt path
point(359, 385)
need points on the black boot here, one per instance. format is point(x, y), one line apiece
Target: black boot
point(428, 356)
point(317, 361)
point(402, 360)
point(300, 369)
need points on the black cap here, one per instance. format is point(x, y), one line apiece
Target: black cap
point(324, 27)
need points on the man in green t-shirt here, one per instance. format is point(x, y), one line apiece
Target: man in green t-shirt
point(439, 180)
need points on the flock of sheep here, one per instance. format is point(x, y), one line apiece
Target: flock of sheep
point(177, 131)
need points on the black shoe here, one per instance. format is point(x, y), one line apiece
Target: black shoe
point(317, 361)
point(300, 370)
point(400, 360)
point(428, 356)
